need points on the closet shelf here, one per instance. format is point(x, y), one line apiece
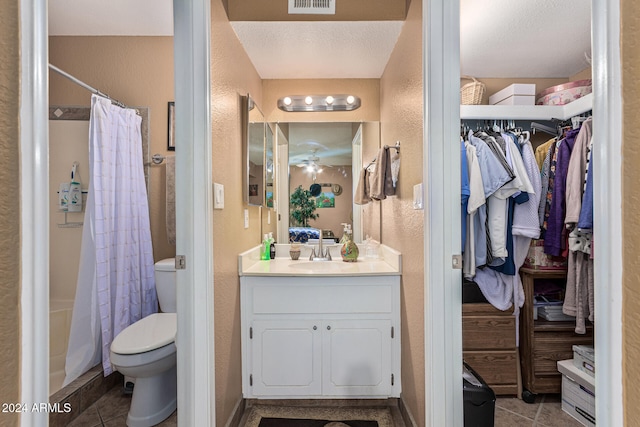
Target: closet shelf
point(527, 112)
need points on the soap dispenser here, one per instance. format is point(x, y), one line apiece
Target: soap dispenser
point(265, 249)
point(272, 246)
point(349, 250)
point(75, 191)
point(345, 231)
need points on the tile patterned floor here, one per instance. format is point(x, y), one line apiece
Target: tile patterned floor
point(111, 411)
point(545, 412)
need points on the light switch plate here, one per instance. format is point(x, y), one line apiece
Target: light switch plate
point(246, 218)
point(417, 197)
point(218, 196)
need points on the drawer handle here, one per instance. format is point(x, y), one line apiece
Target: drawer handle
point(328, 328)
point(315, 327)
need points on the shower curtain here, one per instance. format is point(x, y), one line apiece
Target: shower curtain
point(116, 284)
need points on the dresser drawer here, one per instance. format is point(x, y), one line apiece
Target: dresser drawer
point(550, 347)
point(495, 367)
point(321, 299)
point(488, 332)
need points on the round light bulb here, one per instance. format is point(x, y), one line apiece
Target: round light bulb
point(287, 100)
point(329, 99)
point(308, 100)
point(350, 99)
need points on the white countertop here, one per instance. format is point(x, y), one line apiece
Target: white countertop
point(249, 264)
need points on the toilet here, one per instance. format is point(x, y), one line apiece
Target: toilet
point(146, 351)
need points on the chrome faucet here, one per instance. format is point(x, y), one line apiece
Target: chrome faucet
point(320, 256)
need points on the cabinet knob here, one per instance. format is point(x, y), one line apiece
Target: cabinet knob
point(315, 327)
point(328, 328)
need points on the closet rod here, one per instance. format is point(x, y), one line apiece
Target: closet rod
point(86, 86)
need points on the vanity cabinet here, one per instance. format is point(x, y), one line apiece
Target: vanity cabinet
point(313, 337)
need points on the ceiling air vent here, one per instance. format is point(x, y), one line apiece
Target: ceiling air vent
point(312, 7)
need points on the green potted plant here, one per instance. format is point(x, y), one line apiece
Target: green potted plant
point(302, 206)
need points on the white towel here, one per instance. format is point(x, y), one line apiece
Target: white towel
point(395, 167)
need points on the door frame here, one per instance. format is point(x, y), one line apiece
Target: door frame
point(195, 329)
point(443, 299)
point(443, 394)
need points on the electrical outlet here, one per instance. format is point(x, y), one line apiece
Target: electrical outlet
point(246, 218)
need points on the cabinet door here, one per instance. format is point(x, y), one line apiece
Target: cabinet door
point(357, 358)
point(286, 358)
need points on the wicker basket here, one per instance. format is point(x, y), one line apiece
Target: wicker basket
point(471, 93)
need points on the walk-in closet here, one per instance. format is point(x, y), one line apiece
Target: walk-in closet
point(527, 210)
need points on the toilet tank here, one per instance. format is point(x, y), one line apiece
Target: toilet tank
point(165, 274)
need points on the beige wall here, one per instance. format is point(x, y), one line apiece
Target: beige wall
point(630, 208)
point(401, 120)
point(232, 74)
point(9, 208)
point(135, 70)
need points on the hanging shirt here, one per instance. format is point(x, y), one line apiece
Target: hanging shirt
point(464, 191)
point(550, 185)
point(525, 216)
point(475, 252)
point(554, 237)
point(585, 221)
point(495, 174)
point(576, 173)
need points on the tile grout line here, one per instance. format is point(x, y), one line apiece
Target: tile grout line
point(515, 413)
point(535, 420)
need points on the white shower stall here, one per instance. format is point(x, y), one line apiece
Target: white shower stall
point(68, 143)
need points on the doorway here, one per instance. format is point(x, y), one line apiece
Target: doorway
point(442, 401)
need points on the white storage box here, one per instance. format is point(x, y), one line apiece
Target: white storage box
point(584, 358)
point(515, 94)
point(578, 393)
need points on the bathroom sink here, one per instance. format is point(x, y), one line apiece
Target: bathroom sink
point(320, 266)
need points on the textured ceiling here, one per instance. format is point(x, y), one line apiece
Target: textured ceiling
point(331, 142)
point(110, 18)
point(538, 38)
point(499, 38)
point(307, 50)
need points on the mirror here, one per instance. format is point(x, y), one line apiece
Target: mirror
point(253, 151)
point(269, 168)
point(325, 159)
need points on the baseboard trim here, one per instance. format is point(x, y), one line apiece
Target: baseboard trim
point(236, 414)
point(407, 417)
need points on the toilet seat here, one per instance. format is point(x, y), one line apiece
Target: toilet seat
point(148, 334)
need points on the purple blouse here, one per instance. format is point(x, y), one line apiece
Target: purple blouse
point(554, 237)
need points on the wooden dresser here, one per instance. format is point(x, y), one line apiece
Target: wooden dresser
point(489, 346)
point(543, 343)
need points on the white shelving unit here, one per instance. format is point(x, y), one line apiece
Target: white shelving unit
point(527, 112)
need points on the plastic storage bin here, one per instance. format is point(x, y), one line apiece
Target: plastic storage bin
point(479, 400)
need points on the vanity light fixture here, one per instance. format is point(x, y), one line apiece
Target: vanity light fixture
point(293, 103)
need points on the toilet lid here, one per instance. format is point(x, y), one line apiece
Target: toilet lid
point(150, 333)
